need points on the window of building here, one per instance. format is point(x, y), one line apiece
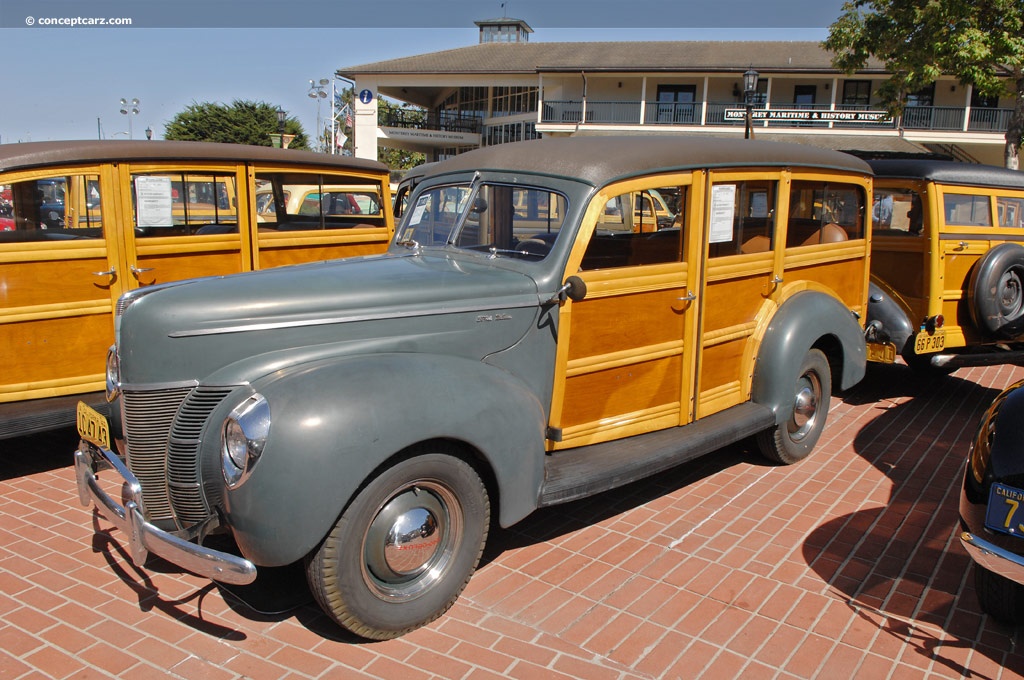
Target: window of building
point(856, 93)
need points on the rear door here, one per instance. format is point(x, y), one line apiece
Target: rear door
point(183, 221)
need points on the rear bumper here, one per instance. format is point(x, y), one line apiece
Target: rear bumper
point(143, 537)
point(992, 557)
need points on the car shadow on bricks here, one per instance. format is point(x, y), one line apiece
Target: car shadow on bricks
point(897, 562)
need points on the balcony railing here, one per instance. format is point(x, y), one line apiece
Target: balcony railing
point(417, 120)
point(939, 118)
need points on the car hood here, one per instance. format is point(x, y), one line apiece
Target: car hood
point(389, 302)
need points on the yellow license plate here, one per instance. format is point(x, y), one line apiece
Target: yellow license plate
point(925, 343)
point(92, 426)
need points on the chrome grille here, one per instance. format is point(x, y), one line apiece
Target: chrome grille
point(184, 473)
point(148, 416)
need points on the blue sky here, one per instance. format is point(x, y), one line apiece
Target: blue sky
point(65, 83)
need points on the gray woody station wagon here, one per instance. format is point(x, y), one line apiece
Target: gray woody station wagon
point(532, 336)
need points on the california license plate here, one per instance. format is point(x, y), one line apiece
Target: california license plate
point(92, 426)
point(924, 343)
point(1005, 512)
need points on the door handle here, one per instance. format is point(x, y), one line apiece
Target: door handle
point(112, 272)
point(139, 270)
point(690, 297)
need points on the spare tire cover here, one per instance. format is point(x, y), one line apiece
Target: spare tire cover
point(995, 294)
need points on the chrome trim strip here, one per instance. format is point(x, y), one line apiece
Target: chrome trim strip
point(327, 321)
point(992, 557)
point(143, 537)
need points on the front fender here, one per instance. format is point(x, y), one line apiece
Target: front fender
point(807, 319)
point(333, 423)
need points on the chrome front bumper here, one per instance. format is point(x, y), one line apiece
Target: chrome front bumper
point(992, 557)
point(143, 537)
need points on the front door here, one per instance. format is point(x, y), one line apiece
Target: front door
point(59, 278)
point(622, 366)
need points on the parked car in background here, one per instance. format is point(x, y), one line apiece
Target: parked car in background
point(947, 264)
point(992, 507)
point(511, 350)
point(85, 222)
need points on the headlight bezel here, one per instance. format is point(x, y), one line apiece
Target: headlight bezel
point(112, 374)
point(244, 435)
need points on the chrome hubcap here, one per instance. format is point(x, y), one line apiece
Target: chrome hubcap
point(410, 543)
point(805, 406)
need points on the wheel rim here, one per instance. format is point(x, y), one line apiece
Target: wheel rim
point(805, 406)
point(411, 541)
point(1011, 295)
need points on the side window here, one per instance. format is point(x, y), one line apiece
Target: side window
point(307, 201)
point(1010, 211)
point(824, 212)
point(967, 210)
point(742, 217)
point(184, 203)
point(637, 228)
point(897, 212)
point(514, 219)
point(51, 209)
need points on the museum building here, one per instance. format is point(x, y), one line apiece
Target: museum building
point(506, 88)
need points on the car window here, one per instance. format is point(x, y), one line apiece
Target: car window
point(52, 208)
point(742, 219)
point(967, 210)
point(307, 201)
point(510, 220)
point(824, 212)
point(636, 228)
point(897, 212)
point(182, 203)
point(1010, 211)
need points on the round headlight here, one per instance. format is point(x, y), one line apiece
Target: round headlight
point(244, 435)
point(113, 373)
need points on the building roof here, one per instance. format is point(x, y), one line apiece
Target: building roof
point(618, 57)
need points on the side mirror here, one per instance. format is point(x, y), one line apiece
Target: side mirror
point(574, 289)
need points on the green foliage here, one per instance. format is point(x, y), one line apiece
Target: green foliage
point(243, 122)
point(980, 42)
point(405, 115)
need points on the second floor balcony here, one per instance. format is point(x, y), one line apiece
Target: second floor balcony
point(618, 113)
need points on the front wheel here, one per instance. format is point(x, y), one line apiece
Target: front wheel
point(794, 438)
point(404, 548)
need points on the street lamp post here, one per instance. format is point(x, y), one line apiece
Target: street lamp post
point(749, 88)
point(281, 115)
point(130, 108)
point(317, 91)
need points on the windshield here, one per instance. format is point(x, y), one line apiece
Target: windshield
point(498, 218)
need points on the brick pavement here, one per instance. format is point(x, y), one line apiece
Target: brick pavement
point(845, 566)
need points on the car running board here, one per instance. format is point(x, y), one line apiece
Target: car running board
point(587, 470)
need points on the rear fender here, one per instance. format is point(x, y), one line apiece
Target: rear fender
point(807, 319)
point(334, 423)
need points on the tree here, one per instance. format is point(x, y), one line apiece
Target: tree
point(243, 122)
point(980, 42)
point(405, 116)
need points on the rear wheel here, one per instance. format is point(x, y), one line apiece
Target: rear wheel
point(794, 438)
point(404, 549)
point(999, 597)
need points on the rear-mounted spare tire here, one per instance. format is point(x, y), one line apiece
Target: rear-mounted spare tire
point(995, 294)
